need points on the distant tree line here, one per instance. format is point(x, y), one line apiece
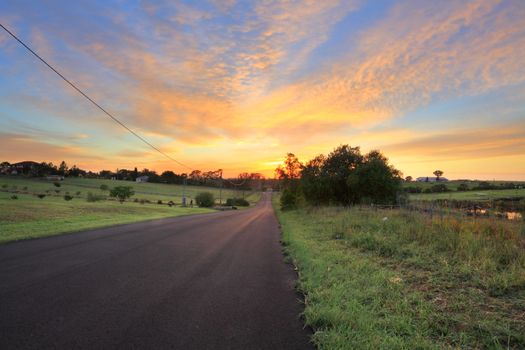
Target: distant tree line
point(213, 178)
point(344, 177)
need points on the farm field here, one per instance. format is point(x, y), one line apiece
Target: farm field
point(31, 217)
point(394, 279)
point(454, 184)
point(149, 191)
point(471, 195)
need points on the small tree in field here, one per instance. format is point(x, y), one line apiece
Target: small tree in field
point(122, 192)
point(438, 174)
point(408, 178)
point(205, 199)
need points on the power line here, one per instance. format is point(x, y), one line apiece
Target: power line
point(92, 101)
point(102, 109)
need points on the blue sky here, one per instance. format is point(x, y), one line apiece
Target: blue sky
point(237, 84)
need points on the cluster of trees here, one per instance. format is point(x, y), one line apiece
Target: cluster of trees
point(345, 176)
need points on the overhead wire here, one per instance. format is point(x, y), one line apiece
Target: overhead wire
point(107, 113)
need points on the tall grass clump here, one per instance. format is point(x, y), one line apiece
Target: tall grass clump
point(401, 279)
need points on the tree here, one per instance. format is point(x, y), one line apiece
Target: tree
point(408, 179)
point(315, 186)
point(205, 199)
point(438, 174)
point(122, 192)
point(62, 168)
point(375, 180)
point(290, 171)
point(340, 164)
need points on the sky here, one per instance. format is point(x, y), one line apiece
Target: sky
point(237, 84)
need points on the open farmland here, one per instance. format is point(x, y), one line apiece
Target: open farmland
point(149, 191)
point(28, 216)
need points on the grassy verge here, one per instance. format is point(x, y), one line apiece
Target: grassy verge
point(408, 281)
point(30, 217)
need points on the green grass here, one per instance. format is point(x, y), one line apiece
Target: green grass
point(31, 217)
point(408, 281)
point(149, 191)
point(454, 184)
point(471, 195)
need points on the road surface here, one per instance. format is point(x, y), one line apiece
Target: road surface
point(214, 281)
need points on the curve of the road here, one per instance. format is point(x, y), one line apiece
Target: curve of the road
point(214, 281)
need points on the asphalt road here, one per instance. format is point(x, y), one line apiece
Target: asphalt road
point(214, 281)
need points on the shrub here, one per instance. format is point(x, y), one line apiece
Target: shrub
point(413, 189)
point(159, 201)
point(288, 200)
point(4, 186)
point(439, 188)
point(67, 197)
point(78, 193)
point(205, 199)
point(142, 201)
point(463, 187)
point(57, 191)
point(41, 196)
point(122, 192)
point(104, 187)
point(57, 184)
point(241, 202)
point(94, 197)
point(171, 203)
point(25, 188)
point(14, 196)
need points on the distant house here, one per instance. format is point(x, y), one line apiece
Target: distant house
point(431, 179)
point(142, 179)
point(23, 167)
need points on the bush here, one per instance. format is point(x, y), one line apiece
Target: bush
point(484, 185)
point(413, 189)
point(121, 192)
point(4, 186)
point(463, 187)
point(288, 200)
point(78, 193)
point(159, 201)
point(205, 199)
point(104, 187)
point(67, 197)
point(94, 197)
point(25, 188)
point(41, 196)
point(57, 184)
point(241, 202)
point(14, 196)
point(57, 191)
point(171, 203)
point(439, 188)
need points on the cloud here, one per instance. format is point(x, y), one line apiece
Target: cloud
point(218, 77)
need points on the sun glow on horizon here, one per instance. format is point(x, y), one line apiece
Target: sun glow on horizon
point(237, 85)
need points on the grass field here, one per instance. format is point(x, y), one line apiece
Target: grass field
point(150, 191)
point(454, 184)
point(398, 280)
point(30, 217)
point(471, 195)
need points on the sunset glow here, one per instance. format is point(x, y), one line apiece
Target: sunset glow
point(236, 84)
